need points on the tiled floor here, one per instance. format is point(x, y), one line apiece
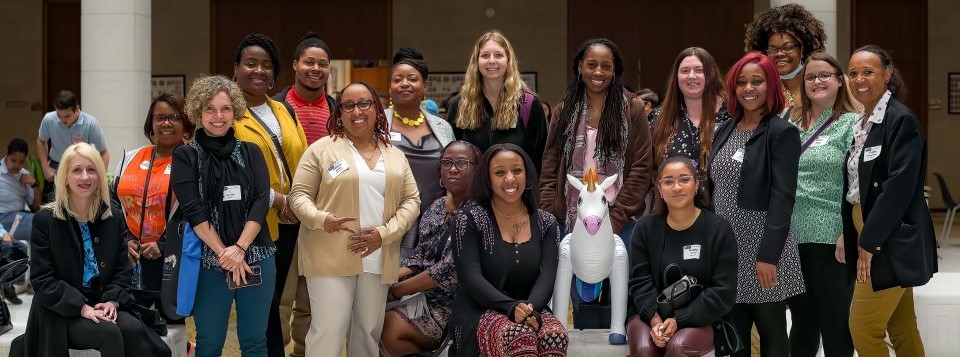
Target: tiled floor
point(589, 343)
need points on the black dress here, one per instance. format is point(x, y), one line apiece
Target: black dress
point(496, 275)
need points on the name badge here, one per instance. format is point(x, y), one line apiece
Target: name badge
point(166, 171)
point(338, 168)
point(871, 153)
point(691, 252)
point(231, 193)
point(738, 156)
point(395, 136)
point(821, 141)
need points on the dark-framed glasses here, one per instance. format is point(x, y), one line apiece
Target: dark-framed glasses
point(683, 180)
point(364, 105)
point(461, 165)
point(822, 76)
point(172, 118)
point(786, 49)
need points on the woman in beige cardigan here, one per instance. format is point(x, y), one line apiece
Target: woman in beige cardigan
point(355, 196)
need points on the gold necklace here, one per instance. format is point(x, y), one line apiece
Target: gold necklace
point(407, 121)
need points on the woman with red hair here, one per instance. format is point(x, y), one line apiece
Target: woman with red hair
point(754, 163)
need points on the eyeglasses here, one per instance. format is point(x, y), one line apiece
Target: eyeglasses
point(364, 105)
point(786, 49)
point(461, 165)
point(684, 180)
point(822, 76)
point(172, 118)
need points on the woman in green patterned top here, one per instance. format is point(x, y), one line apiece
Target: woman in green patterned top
point(826, 130)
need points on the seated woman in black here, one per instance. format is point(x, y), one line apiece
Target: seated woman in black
point(80, 271)
point(505, 252)
point(702, 245)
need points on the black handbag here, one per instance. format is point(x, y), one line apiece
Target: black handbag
point(678, 294)
point(726, 341)
point(151, 318)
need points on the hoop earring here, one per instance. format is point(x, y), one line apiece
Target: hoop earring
point(441, 184)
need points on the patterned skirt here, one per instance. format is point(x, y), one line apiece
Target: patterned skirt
point(498, 336)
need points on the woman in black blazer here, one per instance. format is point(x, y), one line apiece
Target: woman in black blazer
point(889, 239)
point(80, 271)
point(754, 164)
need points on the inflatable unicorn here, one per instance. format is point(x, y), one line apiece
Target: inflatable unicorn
point(593, 252)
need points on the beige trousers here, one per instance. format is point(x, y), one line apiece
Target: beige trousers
point(346, 309)
point(295, 309)
point(875, 314)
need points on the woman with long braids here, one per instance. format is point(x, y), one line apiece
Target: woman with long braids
point(494, 105)
point(273, 127)
point(597, 127)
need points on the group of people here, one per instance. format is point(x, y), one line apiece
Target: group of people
point(335, 222)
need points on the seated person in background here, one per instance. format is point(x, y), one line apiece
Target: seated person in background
point(702, 245)
point(18, 190)
point(430, 269)
point(80, 270)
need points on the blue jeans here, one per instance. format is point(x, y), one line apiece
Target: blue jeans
point(25, 227)
point(211, 311)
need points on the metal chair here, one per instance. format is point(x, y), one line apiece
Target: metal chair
point(952, 207)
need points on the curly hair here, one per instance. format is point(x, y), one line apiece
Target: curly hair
point(202, 91)
point(790, 18)
point(505, 115)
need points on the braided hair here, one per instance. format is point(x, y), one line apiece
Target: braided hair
point(611, 121)
point(267, 44)
point(412, 57)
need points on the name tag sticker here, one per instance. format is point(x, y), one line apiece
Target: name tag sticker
point(691, 251)
point(871, 153)
point(166, 171)
point(821, 141)
point(231, 193)
point(395, 136)
point(338, 168)
point(738, 156)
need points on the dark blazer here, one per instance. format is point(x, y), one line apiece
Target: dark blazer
point(56, 273)
point(897, 226)
point(768, 178)
point(636, 175)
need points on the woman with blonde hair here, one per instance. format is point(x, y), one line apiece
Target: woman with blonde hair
point(80, 271)
point(494, 105)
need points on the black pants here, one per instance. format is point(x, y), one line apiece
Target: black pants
point(823, 311)
point(771, 323)
point(128, 337)
point(286, 242)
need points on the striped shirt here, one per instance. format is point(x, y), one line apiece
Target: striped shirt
point(313, 116)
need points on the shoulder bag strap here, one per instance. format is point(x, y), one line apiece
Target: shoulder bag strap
point(276, 142)
point(819, 131)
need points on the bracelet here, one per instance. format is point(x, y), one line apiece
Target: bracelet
point(241, 248)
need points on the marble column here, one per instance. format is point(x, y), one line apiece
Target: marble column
point(115, 68)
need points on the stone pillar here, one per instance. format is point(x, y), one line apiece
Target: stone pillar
point(824, 10)
point(115, 69)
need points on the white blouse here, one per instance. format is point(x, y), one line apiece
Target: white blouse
point(860, 134)
point(372, 187)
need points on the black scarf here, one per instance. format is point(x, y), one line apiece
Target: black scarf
point(222, 163)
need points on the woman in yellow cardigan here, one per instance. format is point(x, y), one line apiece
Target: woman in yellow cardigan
point(275, 130)
point(355, 196)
